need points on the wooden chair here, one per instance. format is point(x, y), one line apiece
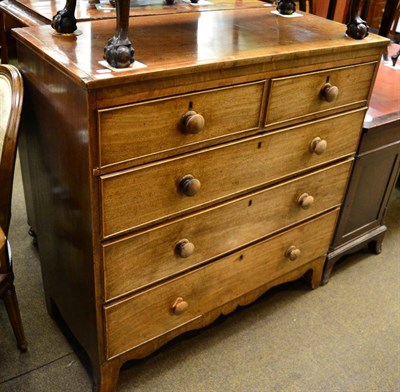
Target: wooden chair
point(357, 12)
point(390, 14)
point(11, 96)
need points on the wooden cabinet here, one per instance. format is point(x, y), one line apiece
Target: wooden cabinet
point(376, 170)
point(167, 195)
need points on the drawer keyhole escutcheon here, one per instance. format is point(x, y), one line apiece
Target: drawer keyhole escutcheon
point(305, 201)
point(192, 122)
point(179, 306)
point(184, 248)
point(293, 253)
point(318, 146)
point(189, 185)
point(329, 93)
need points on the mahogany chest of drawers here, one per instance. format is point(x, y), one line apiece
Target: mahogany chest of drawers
point(170, 194)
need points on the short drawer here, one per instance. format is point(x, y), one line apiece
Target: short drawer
point(143, 129)
point(309, 94)
point(145, 316)
point(154, 192)
point(147, 257)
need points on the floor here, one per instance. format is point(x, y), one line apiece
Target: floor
point(342, 337)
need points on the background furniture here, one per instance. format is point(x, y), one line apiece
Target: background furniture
point(11, 94)
point(379, 14)
point(23, 13)
point(169, 194)
point(375, 172)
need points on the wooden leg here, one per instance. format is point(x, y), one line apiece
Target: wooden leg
point(119, 52)
point(11, 302)
point(106, 377)
point(375, 246)
point(32, 233)
point(327, 271)
point(395, 58)
point(64, 21)
point(3, 40)
point(50, 306)
point(286, 7)
point(314, 275)
point(356, 27)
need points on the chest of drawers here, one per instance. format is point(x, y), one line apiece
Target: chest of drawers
point(167, 195)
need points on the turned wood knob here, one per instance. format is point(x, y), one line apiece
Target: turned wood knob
point(293, 253)
point(318, 146)
point(329, 93)
point(192, 122)
point(305, 201)
point(184, 248)
point(189, 185)
point(179, 306)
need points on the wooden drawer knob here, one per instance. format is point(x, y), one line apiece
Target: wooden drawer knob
point(184, 248)
point(293, 253)
point(189, 185)
point(192, 122)
point(329, 93)
point(305, 201)
point(318, 146)
point(179, 306)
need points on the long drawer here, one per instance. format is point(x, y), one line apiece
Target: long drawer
point(142, 317)
point(166, 250)
point(297, 96)
point(150, 193)
point(143, 129)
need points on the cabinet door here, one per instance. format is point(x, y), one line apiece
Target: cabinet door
point(374, 175)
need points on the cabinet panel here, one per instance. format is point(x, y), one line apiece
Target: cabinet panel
point(371, 183)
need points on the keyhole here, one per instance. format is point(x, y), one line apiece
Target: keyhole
point(190, 105)
point(250, 202)
point(259, 145)
point(327, 79)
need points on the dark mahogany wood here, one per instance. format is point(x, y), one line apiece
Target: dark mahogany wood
point(286, 7)
point(119, 51)
point(388, 16)
point(377, 166)
point(357, 28)
point(7, 165)
point(331, 9)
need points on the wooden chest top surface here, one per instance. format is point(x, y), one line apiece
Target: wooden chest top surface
point(187, 42)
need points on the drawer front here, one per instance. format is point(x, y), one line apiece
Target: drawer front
point(161, 252)
point(297, 96)
point(136, 197)
point(138, 130)
point(145, 316)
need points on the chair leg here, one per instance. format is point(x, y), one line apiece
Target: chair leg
point(11, 302)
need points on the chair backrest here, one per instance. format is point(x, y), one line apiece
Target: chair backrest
point(11, 98)
point(390, 14)
point(341, 11)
